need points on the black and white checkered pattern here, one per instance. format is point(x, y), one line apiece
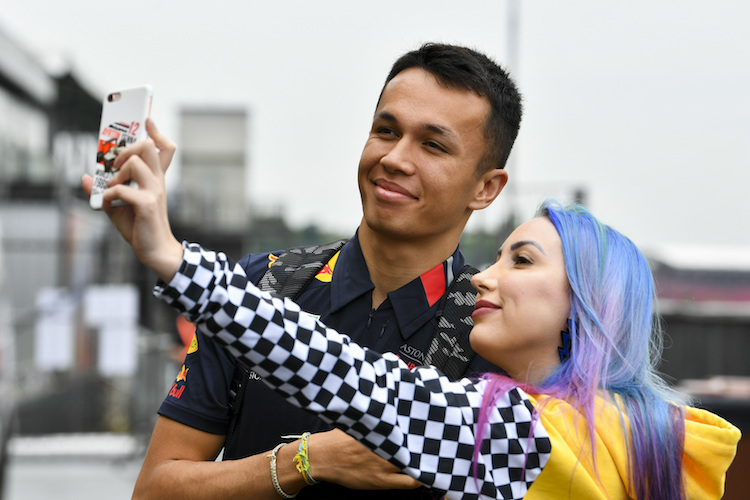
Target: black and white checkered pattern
point(417, 419)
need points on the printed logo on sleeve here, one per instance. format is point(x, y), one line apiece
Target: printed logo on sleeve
point(326, 274)
point(193, 345)
point(182, 376)
point(180, 383)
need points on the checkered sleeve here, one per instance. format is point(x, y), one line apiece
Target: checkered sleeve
point(417, 419)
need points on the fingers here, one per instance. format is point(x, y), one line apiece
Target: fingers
point(86, 182)
point(400, 481)
point(166, 147)
point(138, 169)
point(144, 162)
point(128, 194)
point(156, 151)
point(145, 149)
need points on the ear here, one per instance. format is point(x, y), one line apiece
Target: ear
point(489, 187)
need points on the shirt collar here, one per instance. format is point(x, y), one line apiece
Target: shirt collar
point(413, 304)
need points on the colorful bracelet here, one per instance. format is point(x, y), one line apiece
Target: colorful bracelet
point(303, 461)
point(274, 477)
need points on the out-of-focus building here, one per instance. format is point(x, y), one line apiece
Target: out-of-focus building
point(209, 203)
point(704, 297)
point(57, 255)
point(214, 148)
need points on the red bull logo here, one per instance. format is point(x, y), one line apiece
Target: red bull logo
point(177, 388)
point(326, 274)
point(176, 391)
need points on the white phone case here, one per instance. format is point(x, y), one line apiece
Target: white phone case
point(124, 114)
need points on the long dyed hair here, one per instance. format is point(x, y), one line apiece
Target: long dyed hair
point(616, 346)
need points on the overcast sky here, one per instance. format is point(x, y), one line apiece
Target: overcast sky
point(643, 104)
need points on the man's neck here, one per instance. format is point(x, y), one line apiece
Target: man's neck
point(394, 262)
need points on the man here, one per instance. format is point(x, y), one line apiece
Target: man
point(441, 135)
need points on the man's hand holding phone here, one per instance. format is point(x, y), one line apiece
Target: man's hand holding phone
point(124, 114)
point(143, 220)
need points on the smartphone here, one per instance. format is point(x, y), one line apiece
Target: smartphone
point(124, 114)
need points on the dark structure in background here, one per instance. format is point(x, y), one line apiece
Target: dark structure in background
point(704, 296)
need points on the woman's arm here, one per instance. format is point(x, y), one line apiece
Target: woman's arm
point(418, 420)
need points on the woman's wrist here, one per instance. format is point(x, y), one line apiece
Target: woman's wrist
point(166, 262)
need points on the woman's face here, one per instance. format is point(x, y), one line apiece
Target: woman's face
point(523, 303)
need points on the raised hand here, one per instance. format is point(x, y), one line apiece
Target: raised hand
point(143, 221)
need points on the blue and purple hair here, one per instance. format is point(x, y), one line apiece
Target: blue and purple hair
point(616, 347)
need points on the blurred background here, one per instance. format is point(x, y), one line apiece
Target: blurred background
point(638, 110)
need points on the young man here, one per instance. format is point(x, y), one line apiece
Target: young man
point(442, 131)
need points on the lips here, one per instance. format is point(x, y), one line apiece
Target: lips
point(392, 191)
point(483, 307)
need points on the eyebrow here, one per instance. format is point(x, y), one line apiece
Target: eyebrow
point(431, 127)
point(519, 244)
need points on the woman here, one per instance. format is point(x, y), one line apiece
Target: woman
point(567, 311)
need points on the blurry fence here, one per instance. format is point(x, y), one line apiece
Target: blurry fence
point(703, 346)
point(79, 397)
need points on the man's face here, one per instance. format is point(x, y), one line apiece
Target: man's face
point(417, 172)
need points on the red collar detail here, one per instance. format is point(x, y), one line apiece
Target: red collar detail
point(433, 282)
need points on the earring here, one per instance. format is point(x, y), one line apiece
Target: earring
point(564, 351)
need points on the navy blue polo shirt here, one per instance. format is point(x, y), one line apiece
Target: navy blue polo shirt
point(341, 295)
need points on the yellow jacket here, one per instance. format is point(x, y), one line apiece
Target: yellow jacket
point(710, 447)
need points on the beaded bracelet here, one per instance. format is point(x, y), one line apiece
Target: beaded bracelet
point(274, 477)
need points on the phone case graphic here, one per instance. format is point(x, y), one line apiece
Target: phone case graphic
point(124, 114)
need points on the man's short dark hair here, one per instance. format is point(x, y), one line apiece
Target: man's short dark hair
point(463, 68)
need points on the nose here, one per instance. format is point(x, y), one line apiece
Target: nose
point(400, 157)
point(484, 280)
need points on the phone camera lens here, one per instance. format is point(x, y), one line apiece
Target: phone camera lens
point(110, 98)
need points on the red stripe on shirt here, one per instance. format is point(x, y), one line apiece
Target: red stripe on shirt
point(433, 282)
